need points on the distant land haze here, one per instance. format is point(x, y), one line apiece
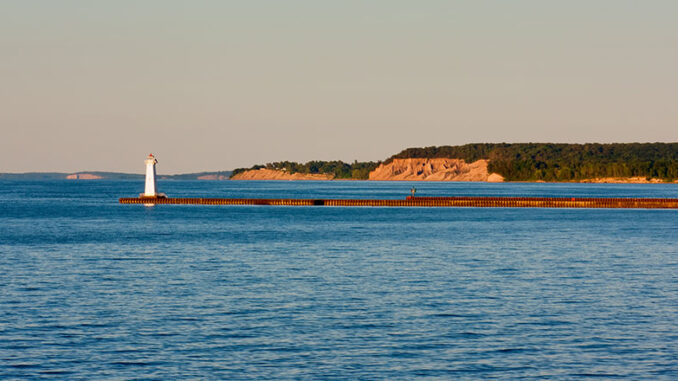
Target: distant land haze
point(98, 175)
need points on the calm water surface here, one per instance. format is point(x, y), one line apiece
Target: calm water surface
point(90, 289)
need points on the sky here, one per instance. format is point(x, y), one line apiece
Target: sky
point(216, 85)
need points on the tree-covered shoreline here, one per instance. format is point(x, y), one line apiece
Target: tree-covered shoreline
point(562, 162)
point(556, 162)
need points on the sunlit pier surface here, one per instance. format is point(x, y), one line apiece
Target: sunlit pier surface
point(473, 202)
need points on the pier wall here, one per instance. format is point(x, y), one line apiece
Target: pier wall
point(478, 202)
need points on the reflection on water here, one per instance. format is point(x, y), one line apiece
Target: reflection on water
point(93, 289)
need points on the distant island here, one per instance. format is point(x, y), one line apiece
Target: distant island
point(552, 162)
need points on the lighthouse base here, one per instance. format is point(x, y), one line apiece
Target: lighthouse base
point(157, 196)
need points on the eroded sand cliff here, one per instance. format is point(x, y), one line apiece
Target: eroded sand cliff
point(270, 174)
point(434, 170)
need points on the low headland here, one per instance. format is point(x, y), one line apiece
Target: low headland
point(494, 162)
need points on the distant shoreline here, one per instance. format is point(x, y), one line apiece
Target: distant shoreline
point(96, 176)
point(619, 163)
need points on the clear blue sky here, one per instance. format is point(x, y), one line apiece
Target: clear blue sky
point(214, 85)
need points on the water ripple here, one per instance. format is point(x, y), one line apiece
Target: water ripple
point(95, 290)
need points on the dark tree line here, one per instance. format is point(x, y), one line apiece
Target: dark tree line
point(356, 170)
point(563, 162)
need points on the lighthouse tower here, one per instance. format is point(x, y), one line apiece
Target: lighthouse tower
point(151, 189)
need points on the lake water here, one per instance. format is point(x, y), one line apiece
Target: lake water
point(90, 289)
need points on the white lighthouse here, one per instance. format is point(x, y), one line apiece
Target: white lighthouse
point(151, 189)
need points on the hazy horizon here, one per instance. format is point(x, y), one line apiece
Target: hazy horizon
point(210, 85)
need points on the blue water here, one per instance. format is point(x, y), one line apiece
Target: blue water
point(90, 289)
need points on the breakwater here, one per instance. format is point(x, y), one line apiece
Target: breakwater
point(478, 202)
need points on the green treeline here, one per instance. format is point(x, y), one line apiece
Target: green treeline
point(524, 161)
point(563, 162)
point(356, 170)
